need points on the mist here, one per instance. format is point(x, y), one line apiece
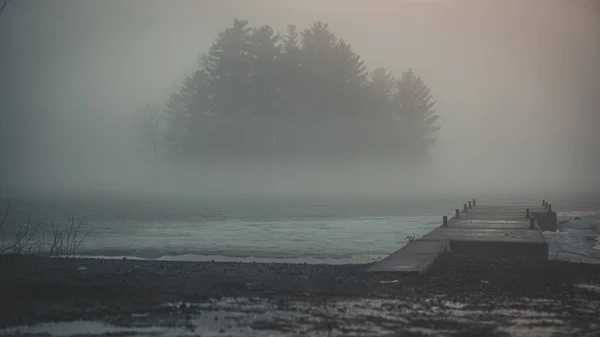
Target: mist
point(516, 85)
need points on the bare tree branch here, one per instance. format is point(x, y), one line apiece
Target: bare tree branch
point(5, 215)
point(3, 5)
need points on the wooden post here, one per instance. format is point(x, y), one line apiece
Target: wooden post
point(470, 204)
point(474, 204)
point(465, 207)
point(445, 221)
point(549, 207)
point(527, 214)
point(532, 223)
point(544, 203)
point(457, 213)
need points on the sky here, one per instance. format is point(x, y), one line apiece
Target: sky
point(517, 82)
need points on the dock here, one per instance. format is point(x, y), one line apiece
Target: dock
point(480, 230)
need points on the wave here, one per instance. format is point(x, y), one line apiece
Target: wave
point(359, 259)
point(577, 238)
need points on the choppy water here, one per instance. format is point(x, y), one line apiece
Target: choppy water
point(320, 229)
point(576, 240)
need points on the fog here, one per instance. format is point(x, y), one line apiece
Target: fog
point(516, 84)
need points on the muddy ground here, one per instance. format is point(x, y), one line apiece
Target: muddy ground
point(462, 296)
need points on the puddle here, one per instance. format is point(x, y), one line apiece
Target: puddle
point(73, 329)
point(208, 324)
point(435, 316)
point(590, 287)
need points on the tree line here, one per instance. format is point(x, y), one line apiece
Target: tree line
point(259, 93)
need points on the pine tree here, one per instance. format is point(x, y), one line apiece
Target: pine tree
point(317, 49)
point(265, 53)
point(292, 109)
point(381, 129)
point(229, 67)
point(228, 64)
point(309, 92)
point(334, 90)
point(415, 116)
point(349, 77)
point(382, 87)
point(147, 120)
point(291, 71)
point(189, 115)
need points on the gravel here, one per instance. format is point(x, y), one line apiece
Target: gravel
point(36, 289)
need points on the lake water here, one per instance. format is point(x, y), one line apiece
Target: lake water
point(351, 229)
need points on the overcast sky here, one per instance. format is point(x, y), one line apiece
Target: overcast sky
point(517, 82)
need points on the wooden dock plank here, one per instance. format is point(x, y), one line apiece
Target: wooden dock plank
point(415, 257)
point(485, 234)
point(481, 230)
point(498, 224)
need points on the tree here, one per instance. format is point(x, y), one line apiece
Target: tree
point(189, 115)
point(147, 118)
point(382, 88)
point(349, 76)
point(266, 100)
point(265, 53)
point(311, 93)
point(3, 4)
point(415, 116)
point(334, 91)
point(228, 65)
point(291, 71)
point(317, 50)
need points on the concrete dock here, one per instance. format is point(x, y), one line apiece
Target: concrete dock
point(493, 231)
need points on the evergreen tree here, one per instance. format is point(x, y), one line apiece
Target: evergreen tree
point(147, 120)
point(416, 116)
point(317, 51)
point(291, 72)
point(301, 93)
point(381, 109)
point(287, 132)
point(265, 53)
point(291, 40)
point(334, 88)
point(228, 64)
point(189, 116)
point(382, 87)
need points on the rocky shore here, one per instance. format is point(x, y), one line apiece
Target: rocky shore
point(459, 296)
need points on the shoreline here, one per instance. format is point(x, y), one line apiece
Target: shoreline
point(37, 290)
point(199, 258)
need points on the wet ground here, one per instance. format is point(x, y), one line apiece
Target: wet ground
point(461, 296)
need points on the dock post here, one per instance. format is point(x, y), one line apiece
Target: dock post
point(465, 207)
point(532, 223)
point(527, 214)
point(445, 221)
point(470, 204)
point(549, 207)
point(544, 203)
point(474, 204)
point(457, 213)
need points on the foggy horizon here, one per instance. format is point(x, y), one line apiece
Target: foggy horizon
point(516, 86)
